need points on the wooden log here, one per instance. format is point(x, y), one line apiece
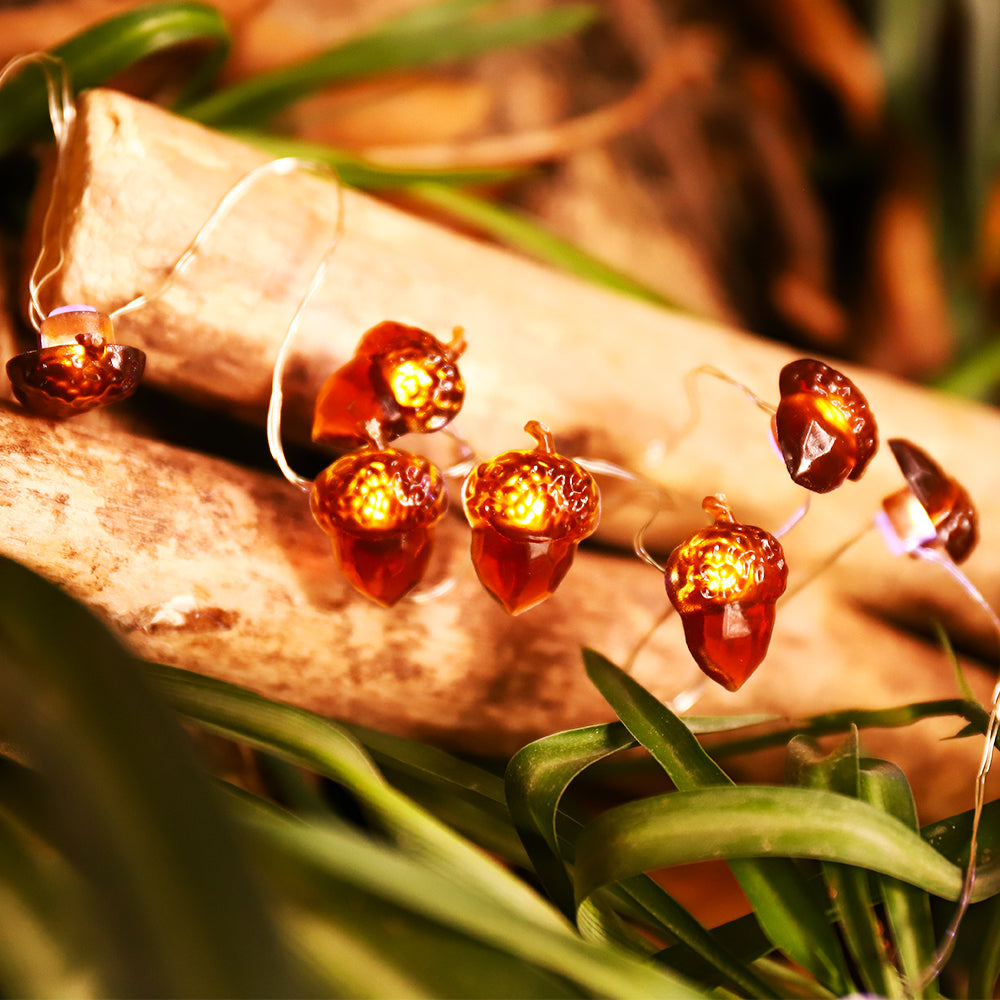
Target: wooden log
point(148, 531)
point(203, 564)
point(605, 372)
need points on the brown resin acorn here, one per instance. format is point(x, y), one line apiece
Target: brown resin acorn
point(824, 428)
point(933, 510)
point(724, 581)
point(77, 367)
point(379, 507)
point(529, 510)
point(401, 380)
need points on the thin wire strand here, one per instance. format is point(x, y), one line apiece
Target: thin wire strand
point(694, 405)
point(947, 942)
point(602, 467)
point(836, 554)
point(62, 115)
point(272, 168)
point(274, 406)
point(795, 518)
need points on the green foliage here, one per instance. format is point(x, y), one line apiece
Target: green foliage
point(194, 886)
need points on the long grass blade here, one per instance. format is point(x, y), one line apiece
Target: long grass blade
point(130, 808)
point(792, 917)
point(984, 970)
point(425, 37)
point(95, 55)
point(311, 741)
point(908, 912)
point(751, 821)
point(345, 857)
point(356, 171)
point(529, 237)
point(537, 778)
point(849, 888)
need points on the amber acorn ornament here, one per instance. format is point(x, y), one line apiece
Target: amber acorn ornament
point(933, 510)
point(77, 366)
point(528, 510)
point(724, 581)
point(379, 506)
point(401, 380)
point(823, 425)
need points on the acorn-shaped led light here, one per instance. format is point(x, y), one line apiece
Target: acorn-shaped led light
point(401, 377)
point(77, 366)
point(824, 428)
point(379, 507)
point(933, 510)
point(528, 510)
point(724, 581)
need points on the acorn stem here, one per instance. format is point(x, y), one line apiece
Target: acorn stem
point(542, 435)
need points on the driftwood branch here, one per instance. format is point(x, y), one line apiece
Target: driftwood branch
point(142, 531)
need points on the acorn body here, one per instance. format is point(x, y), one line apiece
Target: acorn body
point(379, 507)
point(528, 510)
point(724, 581)
point(824, 427)
point(401, 380)
point(78, 366)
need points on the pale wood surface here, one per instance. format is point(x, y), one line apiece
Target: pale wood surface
point(144, 524)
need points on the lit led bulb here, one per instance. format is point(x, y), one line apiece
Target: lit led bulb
point(724, 581)
point(77, 366)
point(379, 508)
point(824, 428)
point(401, 380)
point(933, 510)
point(529, 510)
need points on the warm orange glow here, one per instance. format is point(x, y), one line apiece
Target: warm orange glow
point(528, 510)
point(724, 581)
point(833, 411)
point(411, 384)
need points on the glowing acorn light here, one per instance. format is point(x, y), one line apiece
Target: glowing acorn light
point(823, 426)
point(379, 507)
point(401, 378)
point(77, 366)
point(528, 510)
point(724, 581)
point(932, 511)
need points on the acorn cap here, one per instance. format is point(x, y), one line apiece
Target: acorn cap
point(945, 501)
point(533, 495)
point(824, 426)
point(70, 379)
point(377, 493)
point(724, 563)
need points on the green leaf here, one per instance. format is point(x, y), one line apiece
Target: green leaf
point(357, 172)
point(428, 36)
point(985, 967)
point(951, 837)
point(841, 721)
point(94, 56)
point(529, 237)
point(339, 854)
point(753, 821)
point(129, 807)
point(849, 888)
point(790, 915)
point(311, 741)
point(908, 912)
point(536, 778)
point(45, 948)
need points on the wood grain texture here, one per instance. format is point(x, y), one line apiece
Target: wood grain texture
point(146, 524)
